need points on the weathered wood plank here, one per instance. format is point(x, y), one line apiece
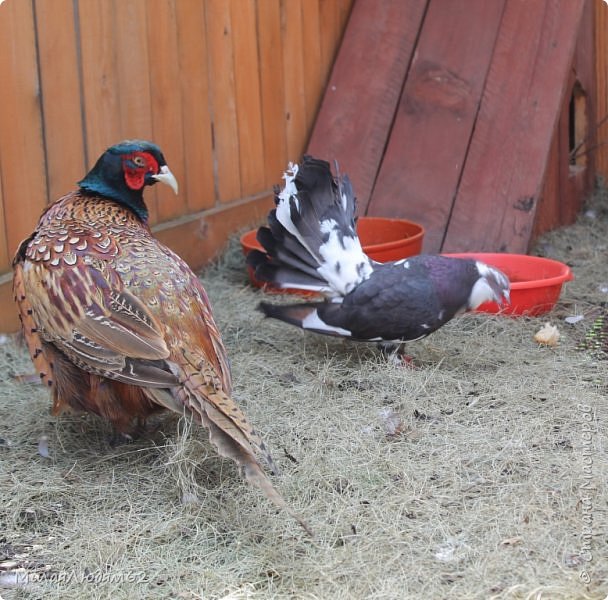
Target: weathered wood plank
point(101, 104)
point(364, 88)
point(22, 163)
point(272, 89)
point(585, 94)
point(60, 84)
point(311, 58)
point(225, 118)
point(579, 169)
point(429, 139)
point(198, 183)
point(6, 253)
point(166, 100)
point(293, 78)
point(601, 78)
point(247, 97)
point(548, 209)
point(510, 147)
point(133, 79)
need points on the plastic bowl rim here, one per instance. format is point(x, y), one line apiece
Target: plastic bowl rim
point(368, 247)
point(565, 275)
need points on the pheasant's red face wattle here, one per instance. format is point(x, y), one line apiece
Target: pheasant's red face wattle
point(136, 166)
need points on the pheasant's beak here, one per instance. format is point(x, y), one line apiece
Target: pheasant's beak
point(165, 176)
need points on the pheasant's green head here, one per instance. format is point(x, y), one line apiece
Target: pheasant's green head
point(122, 172)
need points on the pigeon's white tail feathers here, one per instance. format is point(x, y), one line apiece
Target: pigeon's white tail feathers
point(317, 210)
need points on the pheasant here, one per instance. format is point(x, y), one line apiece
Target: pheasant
point(311, 244)
point(117, 324)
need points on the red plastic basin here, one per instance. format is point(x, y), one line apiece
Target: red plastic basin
point(536, 282)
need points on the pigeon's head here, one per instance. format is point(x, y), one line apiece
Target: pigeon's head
point(122, 172)
point(492, 286)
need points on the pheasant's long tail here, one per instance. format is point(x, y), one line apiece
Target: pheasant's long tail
point(229, 430)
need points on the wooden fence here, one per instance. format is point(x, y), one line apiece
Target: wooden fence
point(601, 97)
point(228, 88)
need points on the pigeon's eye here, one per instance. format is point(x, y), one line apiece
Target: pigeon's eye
point(139, 161)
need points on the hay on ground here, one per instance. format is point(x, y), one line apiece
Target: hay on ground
point(481, 473)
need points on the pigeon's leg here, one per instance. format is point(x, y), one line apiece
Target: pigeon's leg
point(395, 354)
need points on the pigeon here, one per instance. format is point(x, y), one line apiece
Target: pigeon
point(311, 244)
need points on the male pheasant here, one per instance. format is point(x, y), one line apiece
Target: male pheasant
point(311, 244)
point(116, 323)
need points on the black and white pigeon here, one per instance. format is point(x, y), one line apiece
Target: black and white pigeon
point(311, 244)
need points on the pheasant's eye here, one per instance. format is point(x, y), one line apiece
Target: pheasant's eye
point(139, 161)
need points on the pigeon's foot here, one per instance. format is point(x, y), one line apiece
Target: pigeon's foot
point(395, 354)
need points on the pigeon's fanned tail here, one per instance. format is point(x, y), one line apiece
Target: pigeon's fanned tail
point(271, 271)
point(312, 230)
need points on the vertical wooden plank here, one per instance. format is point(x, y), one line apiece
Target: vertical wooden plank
point(133, 79)
point(601, 78)
point(225, 125)
point(272, 89)
point(311, 57)
point(504, 170)
point(198, 183)
point(436, 115)
point(5, 254)
point(581, 172)
point(60, 84)
point(22, 163)
point(133, 68)
point(548, 211)
point(98, 75)
point(163, 57)
point(293, 77)
point(247, 96)
point(329, 20)
point(333, 20)
point(363, 91)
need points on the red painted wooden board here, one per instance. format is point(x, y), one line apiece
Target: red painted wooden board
point(428, 142)
point(503, 174)
point(364, 88)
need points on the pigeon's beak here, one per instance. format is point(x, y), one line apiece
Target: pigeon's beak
point(165, 176)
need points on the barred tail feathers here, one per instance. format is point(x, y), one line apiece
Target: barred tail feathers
point(229, 430)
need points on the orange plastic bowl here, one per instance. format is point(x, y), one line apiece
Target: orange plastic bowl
point(536, 282)
point(382, 239)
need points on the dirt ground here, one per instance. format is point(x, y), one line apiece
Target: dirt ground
point(480, 473)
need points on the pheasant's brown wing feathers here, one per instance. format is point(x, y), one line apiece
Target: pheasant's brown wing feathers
point(105, 331)
point(203, 333)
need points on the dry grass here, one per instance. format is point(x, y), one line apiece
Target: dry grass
point(476, 495)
